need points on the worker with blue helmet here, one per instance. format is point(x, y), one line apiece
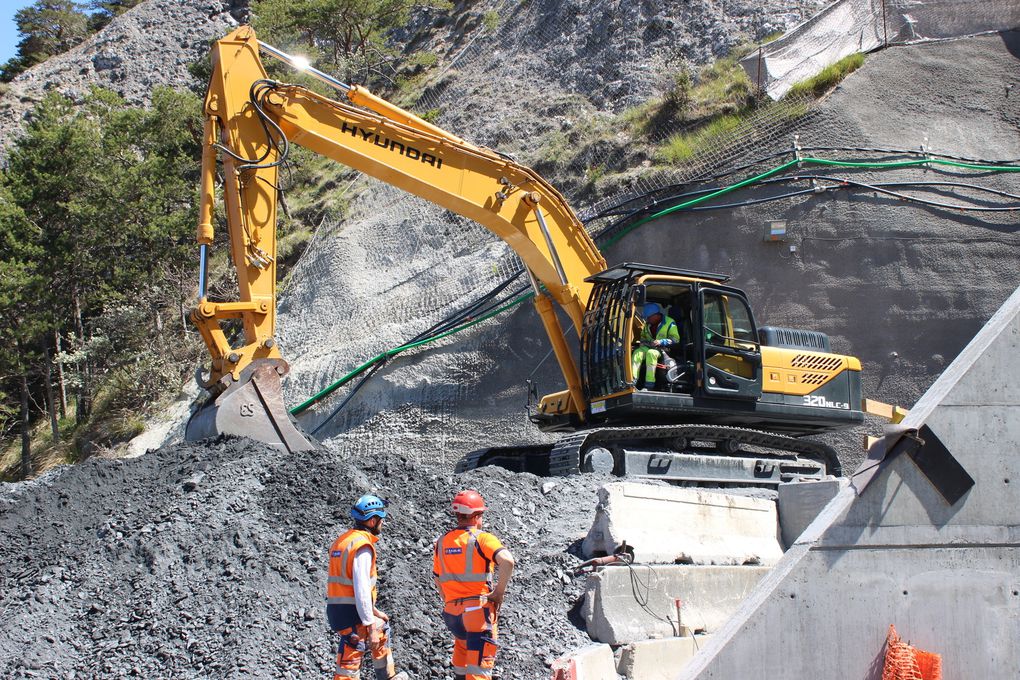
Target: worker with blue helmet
point(658, 333)
point(351, 595)
point(367, 507)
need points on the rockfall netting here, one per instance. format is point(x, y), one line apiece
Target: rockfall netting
point(849, 26)
point(395, 265)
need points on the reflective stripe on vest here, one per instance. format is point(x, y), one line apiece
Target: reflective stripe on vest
point(340, 600)
point(662, 332)
point(340, 582)
point(469, 575)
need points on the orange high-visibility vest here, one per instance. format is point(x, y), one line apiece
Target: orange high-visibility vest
point(460, 564)
point(340, 583)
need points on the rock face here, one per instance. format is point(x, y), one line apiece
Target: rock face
point(149, 45)
point(903, 286)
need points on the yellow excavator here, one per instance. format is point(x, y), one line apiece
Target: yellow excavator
point(731, 400)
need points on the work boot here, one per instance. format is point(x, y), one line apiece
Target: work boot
point(402, 675)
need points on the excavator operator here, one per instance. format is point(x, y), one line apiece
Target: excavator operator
point(658, 333)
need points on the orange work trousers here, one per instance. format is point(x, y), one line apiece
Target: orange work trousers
point(355, 640)
point(473, 624)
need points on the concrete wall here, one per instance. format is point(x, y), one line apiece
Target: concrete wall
point(623, 605)
point(666, 524)
point(593, 662)
point(658, 659)
point(948, 576)
point(800, 502)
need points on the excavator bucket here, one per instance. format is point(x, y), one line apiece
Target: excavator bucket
point(251, 407)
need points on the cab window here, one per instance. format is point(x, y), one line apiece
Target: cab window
point(728, 321)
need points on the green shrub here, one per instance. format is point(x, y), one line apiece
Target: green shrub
point(490, 20)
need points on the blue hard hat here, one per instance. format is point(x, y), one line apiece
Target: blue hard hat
point(650, 308)
point(367, 507)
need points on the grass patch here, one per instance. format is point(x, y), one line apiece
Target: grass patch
point(719, 89)
point(46, 453)
point(828, 77)
point(685, 145)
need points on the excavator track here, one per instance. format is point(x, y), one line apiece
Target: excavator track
point(677, 453)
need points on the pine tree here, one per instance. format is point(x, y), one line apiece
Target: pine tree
point(345, 36)
point(47, 27)
point(97, 227)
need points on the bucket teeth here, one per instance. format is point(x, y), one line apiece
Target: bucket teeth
point(252, 407)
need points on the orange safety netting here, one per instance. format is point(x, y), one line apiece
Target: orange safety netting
point(903, 662)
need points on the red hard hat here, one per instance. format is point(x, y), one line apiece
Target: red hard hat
point(468, 502)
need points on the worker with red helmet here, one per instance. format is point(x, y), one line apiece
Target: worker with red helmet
point(462, 567)
point(351, 595)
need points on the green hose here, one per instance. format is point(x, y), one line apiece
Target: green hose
point(303, 406)
point(810, 161)
point(681, 206)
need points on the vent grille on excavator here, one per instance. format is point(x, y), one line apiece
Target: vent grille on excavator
point(816, 363)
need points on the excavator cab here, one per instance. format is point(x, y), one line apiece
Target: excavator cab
point(717, 355)
point(724, 371)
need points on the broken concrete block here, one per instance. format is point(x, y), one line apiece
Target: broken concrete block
point(658, 659)
point(800, 503)
point(629, 604)
point(666, 524)
point(594, 662)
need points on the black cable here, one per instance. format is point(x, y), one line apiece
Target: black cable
point(842, 182)
point(634, 581)
point(786, 152)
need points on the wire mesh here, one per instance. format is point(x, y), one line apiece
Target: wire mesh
point(507, 88)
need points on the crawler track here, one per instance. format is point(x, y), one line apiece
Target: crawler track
point(568, 455)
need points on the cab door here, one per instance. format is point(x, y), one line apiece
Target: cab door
point(730, 355)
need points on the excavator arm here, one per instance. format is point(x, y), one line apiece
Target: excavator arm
point(250, 122)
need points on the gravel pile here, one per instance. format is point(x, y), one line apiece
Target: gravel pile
point(210, 561)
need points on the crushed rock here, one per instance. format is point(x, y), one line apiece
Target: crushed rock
point(209, 560)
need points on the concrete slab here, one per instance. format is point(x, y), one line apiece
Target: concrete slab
point(800, 502)
point(594, 662)
point(623, 605)
point(666, 524)
point(945, 574)
point(658, 659)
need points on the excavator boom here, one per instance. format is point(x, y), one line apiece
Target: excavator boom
point(250, 122)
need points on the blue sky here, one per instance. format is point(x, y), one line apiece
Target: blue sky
point(8, 31)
